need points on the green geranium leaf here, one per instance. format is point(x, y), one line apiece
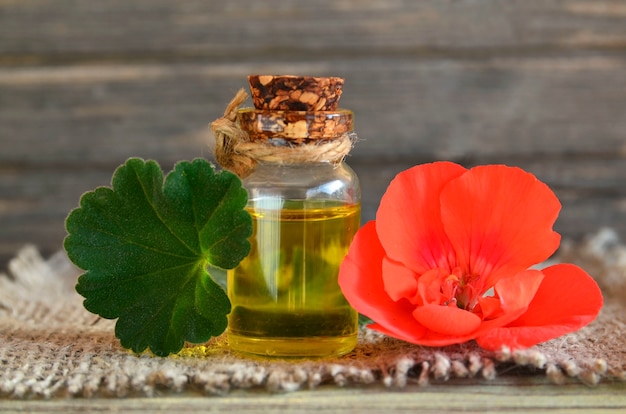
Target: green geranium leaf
point(147, 247)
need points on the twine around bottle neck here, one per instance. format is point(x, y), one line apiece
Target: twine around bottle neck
point(234, 150)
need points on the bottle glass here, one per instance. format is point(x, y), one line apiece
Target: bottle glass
point(286, 301)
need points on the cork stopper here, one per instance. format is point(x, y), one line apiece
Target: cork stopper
point(295, 93)
point(245, 136)
point(298, 127)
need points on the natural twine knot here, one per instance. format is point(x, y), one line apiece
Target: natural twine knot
point(235, 152)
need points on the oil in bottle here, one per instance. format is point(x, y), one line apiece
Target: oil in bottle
point(285, 296)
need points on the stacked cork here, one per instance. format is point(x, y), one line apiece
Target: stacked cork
point(295, 93)
point(296, 108)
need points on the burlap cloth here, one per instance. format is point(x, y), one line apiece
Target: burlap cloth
point(51, 347)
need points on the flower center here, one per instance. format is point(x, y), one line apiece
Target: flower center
point(461, 289)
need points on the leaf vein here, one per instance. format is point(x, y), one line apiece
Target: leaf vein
point(158, 215)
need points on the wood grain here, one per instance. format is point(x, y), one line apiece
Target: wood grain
point(66, 30)
point(504, 395)
point(434, 109)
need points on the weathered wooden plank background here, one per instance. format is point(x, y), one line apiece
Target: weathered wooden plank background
point(535, 83)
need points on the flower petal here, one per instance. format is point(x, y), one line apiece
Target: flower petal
point(413, 336)
point(425, 337)
point(360, 279)
point(429, 287)
point(514, 293)
point(408, 220)
point(499, 220)
point(567, 299)
point(400, 281)
point(447, 320)
point(490, 308)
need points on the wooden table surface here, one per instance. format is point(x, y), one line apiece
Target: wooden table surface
point(503, 396)
point(536, 83)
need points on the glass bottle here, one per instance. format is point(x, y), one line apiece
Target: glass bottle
point(285, 297)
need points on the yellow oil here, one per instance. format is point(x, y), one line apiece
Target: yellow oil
point(285, 296)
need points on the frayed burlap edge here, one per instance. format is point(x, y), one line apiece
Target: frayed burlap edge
point(51, 347)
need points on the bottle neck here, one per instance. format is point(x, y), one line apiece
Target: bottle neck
point(303, 181)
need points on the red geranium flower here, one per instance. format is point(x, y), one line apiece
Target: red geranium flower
point(448, 259)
